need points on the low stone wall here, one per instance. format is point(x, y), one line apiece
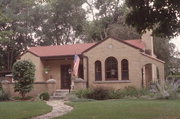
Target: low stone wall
point(38, 88)
point(79, 84)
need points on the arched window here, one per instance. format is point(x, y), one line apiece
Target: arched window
point(111, 68)
point(98, 71)
point(125, 69)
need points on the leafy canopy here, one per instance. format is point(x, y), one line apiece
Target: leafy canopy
point(163, 16)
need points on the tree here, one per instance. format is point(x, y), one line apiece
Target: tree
point(23, 74)
point(108, 20)
point(63, 23)
point(162, 16)
point(165, 51)
point(17, 26)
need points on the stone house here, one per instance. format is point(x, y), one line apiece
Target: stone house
point(111, 63)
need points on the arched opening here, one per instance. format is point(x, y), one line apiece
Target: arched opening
point(98, 71)
point(111, 68)
point(150, 74)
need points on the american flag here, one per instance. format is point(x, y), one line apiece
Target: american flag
point(76, 65)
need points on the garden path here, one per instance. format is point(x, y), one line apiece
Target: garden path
point(59, 109)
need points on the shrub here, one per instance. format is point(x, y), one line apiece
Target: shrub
point(99, 93)
point(3, 96)
point(116, 94)
point(23, 74)
point(130, 91)
point(44, 96)
point(167, 90)
point(85, 93)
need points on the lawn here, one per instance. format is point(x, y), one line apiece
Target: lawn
point(21, 110)
point(125, 109)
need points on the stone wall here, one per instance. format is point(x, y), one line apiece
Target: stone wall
point(38, 88)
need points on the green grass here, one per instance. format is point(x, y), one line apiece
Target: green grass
point(22, 110)
point(125, 109)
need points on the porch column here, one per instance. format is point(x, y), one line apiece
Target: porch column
point(103, 70)
point(85, 68)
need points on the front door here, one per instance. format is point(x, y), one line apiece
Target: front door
point(65, 77)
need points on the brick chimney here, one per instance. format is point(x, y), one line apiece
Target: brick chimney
point(148, 42)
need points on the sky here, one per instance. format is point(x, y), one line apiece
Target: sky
point(176, 41)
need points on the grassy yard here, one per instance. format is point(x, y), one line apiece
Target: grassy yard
point(125, 109)
point(21, 110)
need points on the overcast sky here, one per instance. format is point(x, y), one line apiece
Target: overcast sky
point(176, 41)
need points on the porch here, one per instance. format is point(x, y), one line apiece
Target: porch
point(59, 69)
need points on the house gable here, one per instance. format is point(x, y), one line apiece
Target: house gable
point(128, 43)
point(111, 46)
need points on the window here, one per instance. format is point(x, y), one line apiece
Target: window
point(124, 69)
point(111, 68)
point(98, 72)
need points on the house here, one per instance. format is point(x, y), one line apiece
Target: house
point(111, 63)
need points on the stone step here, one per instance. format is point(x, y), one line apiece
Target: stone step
point(60, 94)
point(57, 97)
point(62, 91)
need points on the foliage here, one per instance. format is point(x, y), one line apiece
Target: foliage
point(164, 50)
point(99, 93)
point(74, 98)
point(102, 93)
point(23, 109)
point(160, 15)
point(166, 90)
point(108, 20)
point(83, 93)
point(23, 75)
point(116, 94)
point(44, 96)
point(3, 95)
point(18, 21)
point(128, 92)
point(63, 22)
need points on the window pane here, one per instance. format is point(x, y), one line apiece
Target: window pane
point(111, 68)
point(124, 69)
point(98, 74)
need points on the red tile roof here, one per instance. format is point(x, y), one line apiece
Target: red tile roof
point(60, 50)
point(66, 50)
point(137, 43)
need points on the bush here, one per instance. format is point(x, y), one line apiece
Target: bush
point(115, 94)
point(99, 93)
point(44, 96)
point(3, 96)
point(85, 93)
point(130, 91)
point(167, 90)
point(23, 74)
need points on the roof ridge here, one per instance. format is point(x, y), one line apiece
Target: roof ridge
point(61, 45)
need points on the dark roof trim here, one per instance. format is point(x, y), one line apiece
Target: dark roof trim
point(33, 53)
point(119, 40)
point(58, 57)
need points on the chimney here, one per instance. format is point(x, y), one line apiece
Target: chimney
point(147, 39)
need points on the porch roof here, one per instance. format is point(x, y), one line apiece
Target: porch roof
point(60, 50)
point(69, 50)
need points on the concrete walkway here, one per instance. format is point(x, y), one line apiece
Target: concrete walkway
point(59, 109)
